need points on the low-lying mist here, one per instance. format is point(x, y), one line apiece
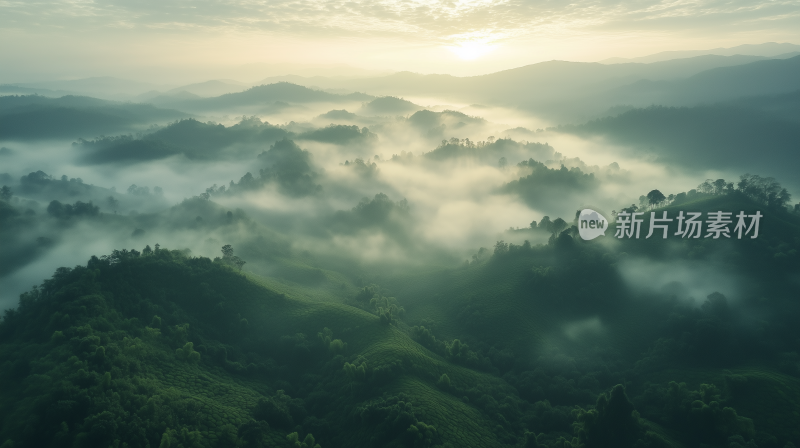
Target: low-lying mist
point(387, 183)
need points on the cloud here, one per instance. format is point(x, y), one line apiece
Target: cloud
point(682, 279)
point(590, 326)
point(443, 21)
point(197, 40)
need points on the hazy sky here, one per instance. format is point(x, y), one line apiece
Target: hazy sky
point(247, 40)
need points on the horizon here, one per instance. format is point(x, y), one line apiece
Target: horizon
point(764, 50)
point(248, 41)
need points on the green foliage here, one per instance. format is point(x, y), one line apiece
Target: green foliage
point(530, 440)
point(543, 183)
point(190, 137)
point(254, 433)
point(454, 351)
point(66, 211)
point(355, 372)
point(289, 167)
point(126, 149)
point(444, 382)
point(655, 198)
point(334, 346)
point(380, 212)
point(181, 439)
point(308, 441)
point(229, 258)
point(187, 353)
point(421, 434)
point(386, 308)
point(701, 414)
point(489, 151)
point(613, 422)
point(394, 418)
point(280, 410)
point(341, 135)
point(31, 117)
point(103, 355)
point(365, 295)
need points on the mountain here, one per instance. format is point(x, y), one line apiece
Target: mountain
point(768, 77)
point(103, 86)
point(266, 95)
point(389, 105)
point(214, 376)
point(721, 136)
point(565, 90)
point(72, 117)
point(211, 88)
point(10, 89)
point(767, 50)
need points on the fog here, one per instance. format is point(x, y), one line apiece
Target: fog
point(688, 281)
point(410, 181)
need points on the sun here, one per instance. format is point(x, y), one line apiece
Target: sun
point(471, 50)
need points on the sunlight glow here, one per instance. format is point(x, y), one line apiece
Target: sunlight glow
point(469, 51)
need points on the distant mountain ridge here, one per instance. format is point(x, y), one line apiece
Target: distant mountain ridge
point(769, 49)
point(561, 88)
point(36, 117)
point(281, 92)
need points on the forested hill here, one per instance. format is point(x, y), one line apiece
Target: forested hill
point(159, 348)
point(30, 117)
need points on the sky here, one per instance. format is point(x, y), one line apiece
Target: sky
point(194, 40)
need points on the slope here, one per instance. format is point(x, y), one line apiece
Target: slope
point(93, 369)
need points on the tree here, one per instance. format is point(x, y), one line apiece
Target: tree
point(5, 193)
point(227, 252)
point(229, 258)
point(253, 433)
point(655, 197)
point(444, 382)
point(421, 434)
point(308, 442)
point(545, 223)
point(764, 189)
point(706, 187)
point(630, 209)
point(531, 440)
point(187, 353)
point(558, 226)
point(719, 186)
point(613, 422)
point(238, 262)
point(112, 203)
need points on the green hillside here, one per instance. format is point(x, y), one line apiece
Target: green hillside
point(526, 346)
point(133, 353)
